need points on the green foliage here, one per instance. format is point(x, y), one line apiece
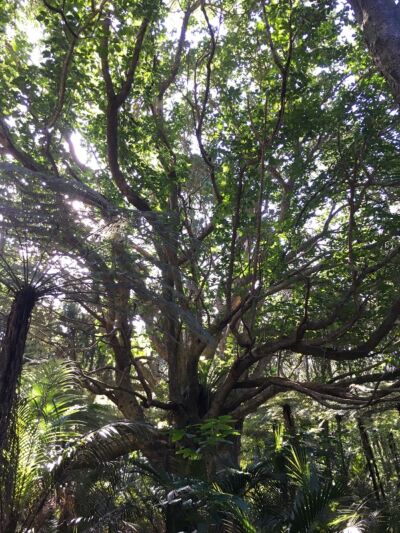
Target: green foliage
point(51, 413)
point(204, 437)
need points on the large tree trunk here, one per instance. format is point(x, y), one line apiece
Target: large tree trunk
point(224, 455)
point(380, 23)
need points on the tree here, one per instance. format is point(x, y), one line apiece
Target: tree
point(233, 232)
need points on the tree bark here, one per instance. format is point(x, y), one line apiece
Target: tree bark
point(289, 422)
point(380, 24)
point(395, 455)
point(224, 455)
point(12, 352)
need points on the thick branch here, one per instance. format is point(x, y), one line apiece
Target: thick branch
point(365, 349)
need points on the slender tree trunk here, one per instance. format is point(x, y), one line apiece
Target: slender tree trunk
point(12, 352)
point(371, 463)
point(341, 447)
point(66, 504)
point(386, 465)
point(395, 455)
point(380, 23)
point(290, 425)
point(328, 452)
